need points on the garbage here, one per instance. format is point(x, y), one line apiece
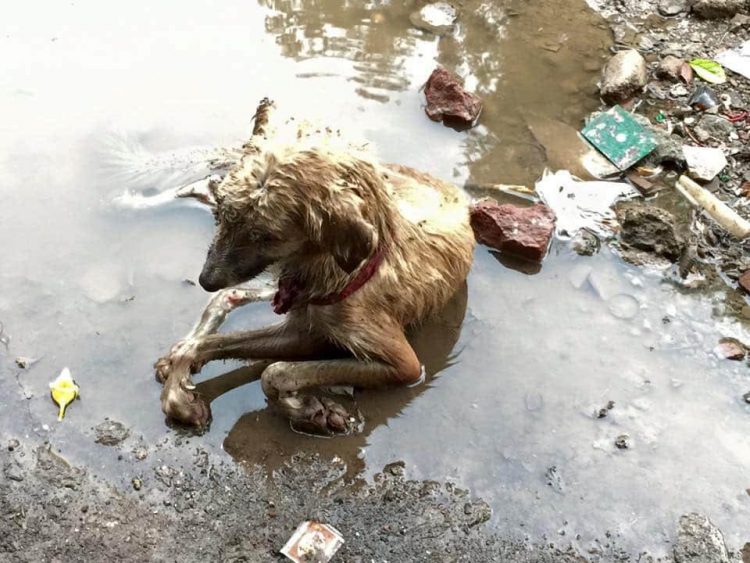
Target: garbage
point(619, 137)
point(438, 18)
point(703, 98)
point(714, 207)
point(524, 232)
point(565, 147)
point(313, 542)
point(704, 163)
point(709, 70)
point(447, 101)
point(730, 349)
point(737, 60)
point(492, 190)
point(64, 391)
point(582, 205)
point(624, 76)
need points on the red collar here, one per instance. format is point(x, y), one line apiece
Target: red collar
point(291, 292)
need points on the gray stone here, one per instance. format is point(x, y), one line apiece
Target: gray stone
point(672, 7)
point(111, 433)
point(699, 541)
point(717, 9)
point(623, 77)
point(714, 126)
point(648, 229)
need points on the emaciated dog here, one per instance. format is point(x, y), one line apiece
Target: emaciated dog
point(361, 252)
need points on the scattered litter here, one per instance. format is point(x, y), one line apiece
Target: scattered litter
point(709, 70)
point(438, 18)
point(64, 391)
point(447, 101)
point(703, 98)
point(483, 190)
point(582, 205)
point(717, 209)
point(24, 363)
point(737, 60)
point(704, 163)
point(619, 137)
point(313, 542)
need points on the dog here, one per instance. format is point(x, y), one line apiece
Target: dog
point(361, 252)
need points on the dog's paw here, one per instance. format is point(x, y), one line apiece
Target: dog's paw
point(181, 403)
point(183, 353)
point(162, 369)
point(320, 416)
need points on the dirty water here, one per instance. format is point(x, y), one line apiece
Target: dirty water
point(94, 107)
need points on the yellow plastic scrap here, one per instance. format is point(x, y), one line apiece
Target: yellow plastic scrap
point(64, 391)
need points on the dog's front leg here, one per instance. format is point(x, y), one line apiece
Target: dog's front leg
point(179, 399)
point(215, 313)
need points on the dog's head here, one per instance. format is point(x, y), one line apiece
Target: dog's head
point(286, 207)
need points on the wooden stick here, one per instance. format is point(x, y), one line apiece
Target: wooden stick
point(719, 211)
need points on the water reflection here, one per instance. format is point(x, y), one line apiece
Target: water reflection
point(525, 59)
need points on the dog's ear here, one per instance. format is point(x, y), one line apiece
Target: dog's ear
point(351, 242)
point(348, 237)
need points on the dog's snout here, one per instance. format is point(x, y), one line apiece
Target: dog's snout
point(209, 282)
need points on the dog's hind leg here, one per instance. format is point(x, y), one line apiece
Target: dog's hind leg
point(282, 382)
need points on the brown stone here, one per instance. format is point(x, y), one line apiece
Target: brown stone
point(447, 101)
point(717, 9)
point(730, 349)
point(670, 68)
point(520, 231)
point(744, 281)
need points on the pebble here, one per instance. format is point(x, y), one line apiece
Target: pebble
point(137, 483)
point(622, 442)
point(111, 433)
point(671, 7)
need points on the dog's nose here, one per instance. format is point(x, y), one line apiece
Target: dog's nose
point(209, 283)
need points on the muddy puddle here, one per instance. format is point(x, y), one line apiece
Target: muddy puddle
point(95, 107)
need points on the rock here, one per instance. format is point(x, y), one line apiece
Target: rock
point(624, 76)
point(717, 9)
point(13, 471)
point(585, 243)
point(744, 281)
point(137, 483)
point(111, 433)
point(622, 442)
point(746, 398)
point(672, 7)
point(713, 126)
point(699, 541)
point(438, 18)
point(24, 363)
point(448, 101)
point(704, 163)
point(649, 229)
point(670, 68)
point(520, 231)
point(13, 444)
point(730, 349)
point(678, 91)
